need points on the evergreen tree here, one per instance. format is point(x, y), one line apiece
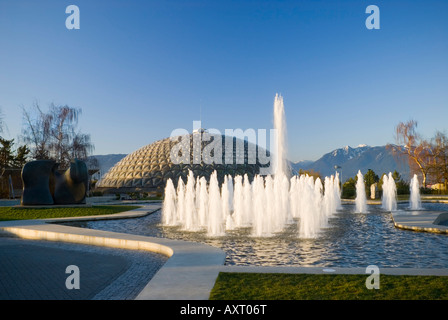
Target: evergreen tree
point(6, 154)
point(349, 188)
point(21, 156)
point(370, 178)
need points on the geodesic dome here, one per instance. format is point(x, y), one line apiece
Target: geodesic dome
point(148, 168)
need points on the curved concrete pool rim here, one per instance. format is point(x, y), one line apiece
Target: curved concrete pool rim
point(189, 273)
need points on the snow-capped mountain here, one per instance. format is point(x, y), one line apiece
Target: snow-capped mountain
point(363, 157)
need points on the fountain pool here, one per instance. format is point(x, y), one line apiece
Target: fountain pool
point(349, 240)
point(293, 221)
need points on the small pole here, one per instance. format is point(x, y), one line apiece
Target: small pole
point(11, 188)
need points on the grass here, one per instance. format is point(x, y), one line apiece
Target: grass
point(270, 286)
point(13, 213)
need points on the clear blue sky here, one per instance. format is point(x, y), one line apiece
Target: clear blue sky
point(140, 69)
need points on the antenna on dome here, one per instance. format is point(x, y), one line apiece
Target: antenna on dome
point(200, 110)
point(197, 125)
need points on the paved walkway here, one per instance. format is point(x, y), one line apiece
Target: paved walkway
point(35, 253)
point(189, 273)
point(36, 270)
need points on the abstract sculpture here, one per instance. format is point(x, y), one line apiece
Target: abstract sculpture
point(44, 185)
point(38, 182)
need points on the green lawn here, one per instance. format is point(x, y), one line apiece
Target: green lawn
point(270, 286)
point(13, 213)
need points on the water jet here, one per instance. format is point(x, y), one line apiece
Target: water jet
point(361, 199)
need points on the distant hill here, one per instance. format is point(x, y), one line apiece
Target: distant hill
point(107, 161)
point(362, 157)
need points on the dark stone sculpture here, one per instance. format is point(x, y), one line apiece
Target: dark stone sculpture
point(38, 182)
point(71, 186)
point(44, 185)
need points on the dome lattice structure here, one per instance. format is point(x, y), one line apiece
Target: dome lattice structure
point(148, 168)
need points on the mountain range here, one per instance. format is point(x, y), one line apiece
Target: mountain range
point(107, 161)
point(350, 160)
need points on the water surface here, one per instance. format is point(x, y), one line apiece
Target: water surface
point(350, 240)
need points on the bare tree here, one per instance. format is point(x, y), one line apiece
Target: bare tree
point(36, 131)
point(81, 146)
point(2, 123)
point(53, 135)
point(65, 119)
point(411, 144)
point(439, 165)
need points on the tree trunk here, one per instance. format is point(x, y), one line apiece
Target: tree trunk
point(424, 179)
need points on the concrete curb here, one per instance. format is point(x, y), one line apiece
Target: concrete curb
point(421, 221)
point(189, 273)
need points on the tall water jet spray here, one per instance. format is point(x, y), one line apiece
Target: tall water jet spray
point(280, 202)
point(361, 199)
point(415, 200)
point(389, 201)
point(280, 155)
point(266, 205)
point(270, 208)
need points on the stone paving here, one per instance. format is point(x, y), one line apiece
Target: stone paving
point(188, 273)
point(36, 270)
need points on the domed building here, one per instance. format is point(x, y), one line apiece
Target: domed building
point(148, 168)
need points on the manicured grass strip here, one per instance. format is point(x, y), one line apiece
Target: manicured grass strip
point(276, 286)
point(12, 213)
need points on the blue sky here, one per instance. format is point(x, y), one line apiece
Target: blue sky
point(140, 69)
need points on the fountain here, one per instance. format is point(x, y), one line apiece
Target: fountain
point(361, 199)
point(267, 205)
point(280, 161)
point(278, 220)
point(414, 200)
point(215, 226)
point(389, 200)
point(169, 205)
